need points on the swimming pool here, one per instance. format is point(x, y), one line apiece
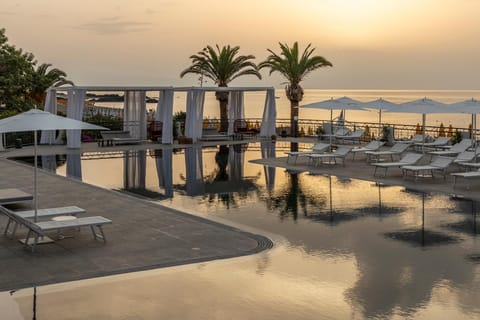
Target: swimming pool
point(344, 248)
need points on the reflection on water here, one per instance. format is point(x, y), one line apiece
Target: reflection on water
point(348, 248)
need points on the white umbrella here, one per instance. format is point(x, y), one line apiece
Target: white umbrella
point(423, 106)
point(343, 103)
point(380, 105)
point(34, 120)
point(471, 106)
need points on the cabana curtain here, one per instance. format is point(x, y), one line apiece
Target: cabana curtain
point(236, 109)
point(135, 114)
point(164, 114)
point(269, 115)
point(75, 105)
point(48, 136)
point(194, 120)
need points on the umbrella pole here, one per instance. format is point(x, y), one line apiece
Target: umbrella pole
point(379, 124)
point(35, 202)
point(331, 128)
point(423, 132)
point(474, 134)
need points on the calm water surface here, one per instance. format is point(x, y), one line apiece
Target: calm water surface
point(344, 249)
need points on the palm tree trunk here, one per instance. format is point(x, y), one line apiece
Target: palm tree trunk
point(294, 118)
point(222, 97)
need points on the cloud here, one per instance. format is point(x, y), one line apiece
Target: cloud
point(114, 25)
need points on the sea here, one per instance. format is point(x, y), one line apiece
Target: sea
point(254, 102)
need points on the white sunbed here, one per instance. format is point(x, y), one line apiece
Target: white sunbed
point(317, 148)
point(418, 138)
point(466, 175)
point(396, 149)
point(13, 195)
point(440, 141)
point(340, 153)
point(371, 146)
point(41, 213)
point(356, 136)
point(438, 164)
point(408, 159)
point(455, 149)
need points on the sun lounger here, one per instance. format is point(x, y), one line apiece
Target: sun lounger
point(356, 136)
point(12, 195)
point(466, 175)
point(438, 164)
point(464, 157)
point(343, 131)
point(408, 159)
point(37, 230)
point(396, 149)
point(440, 141)
point(340, 153)
point(455, 149)
point(371, 146)
point(418, 138)
point(13, 216)
point(112, 138)
point(317, 148)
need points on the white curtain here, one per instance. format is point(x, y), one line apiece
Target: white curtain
point(135, 114)
point(236, 109)
point(48, 136)
point(164, 114)
point(194, 174)
point(193, 122)
point(235, 163)
point(269, 118)
point(267, 149)
point(135, 168)
point(74, 166)
point(75, 104)
point(163, 161)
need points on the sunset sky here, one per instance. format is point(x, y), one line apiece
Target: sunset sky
point(373, 44)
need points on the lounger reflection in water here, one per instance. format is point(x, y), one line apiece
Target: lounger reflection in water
point(406, 160)
point(316, 149)
point(339, 153)
point(471, 175)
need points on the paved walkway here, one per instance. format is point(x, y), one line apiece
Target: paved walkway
point(143, 235)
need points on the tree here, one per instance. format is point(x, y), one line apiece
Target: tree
point(21, 85)
point(44, 79)
point(222, 66)
point(294, 67)
point(16, 69)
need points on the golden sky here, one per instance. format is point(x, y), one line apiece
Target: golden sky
point(373, 44)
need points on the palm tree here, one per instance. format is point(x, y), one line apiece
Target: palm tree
point(44, 79)
point(294, 68)
point(222, 66)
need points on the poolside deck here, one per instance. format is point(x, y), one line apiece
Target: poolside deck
point(143, 235)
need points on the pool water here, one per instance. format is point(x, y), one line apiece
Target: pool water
point(344, 248)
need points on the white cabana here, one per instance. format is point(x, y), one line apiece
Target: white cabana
point(236, 109)
point(194, 118)
point(164, 114)
point(48, 137)
point(75, 104)
point(269, 118)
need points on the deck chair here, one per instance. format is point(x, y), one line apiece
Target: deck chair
point(317, 148)
point(356, 136)
point(371, 146)
point(13, 195)
point(340, 153)
point(396, 149)
point(455, 149)
point(342, 131)
point(464, 157)
point(406, 160)
point(466, 175)
point(418, 138)
point(440, 141)
point(438, 164)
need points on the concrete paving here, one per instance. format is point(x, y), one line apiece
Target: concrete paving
point(143, 235)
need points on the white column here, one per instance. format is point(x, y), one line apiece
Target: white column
point(75, 104)
point(164, 114)
point(236, 109)
point(48, 136)
point(135, 114)
point(194, 119)
point(269, 118)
